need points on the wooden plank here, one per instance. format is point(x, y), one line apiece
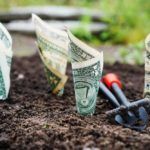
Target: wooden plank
point(50, 12)
point(27, 27)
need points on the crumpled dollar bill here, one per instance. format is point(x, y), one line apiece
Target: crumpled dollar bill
point(87, 66)
point(53, 50)
point(147, 67)
point(5, 62)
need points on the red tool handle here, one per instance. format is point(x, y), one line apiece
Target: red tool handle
point(111, 78)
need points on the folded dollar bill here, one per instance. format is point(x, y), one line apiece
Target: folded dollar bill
point(5, 62)
point(147, 67)
point(53, 50)
point(87, 66)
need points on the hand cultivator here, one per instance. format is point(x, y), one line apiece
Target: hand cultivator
point(132, 115)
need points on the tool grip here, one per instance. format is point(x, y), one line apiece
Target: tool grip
point(111, 78)
point(111, 98)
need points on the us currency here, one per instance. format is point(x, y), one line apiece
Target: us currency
point(53, 50)
point(147, 67)
point(87, 66)
point(5, 62)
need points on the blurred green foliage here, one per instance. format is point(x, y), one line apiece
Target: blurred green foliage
point(128, 20)
point(11, 3)
point(82, 32)
point(128, 25)
point(133, 54)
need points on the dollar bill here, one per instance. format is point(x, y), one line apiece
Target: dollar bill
point(147, 67)
point(53, 50)
point(5, 62)
point(87, 66)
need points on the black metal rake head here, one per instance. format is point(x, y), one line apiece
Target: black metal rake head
point(134, 116)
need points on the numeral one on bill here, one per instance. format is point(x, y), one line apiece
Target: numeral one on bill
point(5, 62)
point(87, 65)
point(147, 67)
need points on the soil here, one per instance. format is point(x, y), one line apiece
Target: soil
point(33, 118)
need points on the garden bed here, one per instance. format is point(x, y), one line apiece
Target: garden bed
point(33, 118)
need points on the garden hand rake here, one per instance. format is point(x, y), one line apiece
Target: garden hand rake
point(132, 115)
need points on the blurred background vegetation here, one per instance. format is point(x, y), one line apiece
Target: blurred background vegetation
point(128, 22)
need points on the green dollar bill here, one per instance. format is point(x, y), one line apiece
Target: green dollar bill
point(5, 62)
point(4, 38)
point(147, 67)
point(53, 50)
point(86, 84)
point(2, 87)
point(87, 65)
point(53, 81)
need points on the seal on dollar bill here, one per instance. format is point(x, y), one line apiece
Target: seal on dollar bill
point(87, 66)
point(5, 61)
point(53, 50)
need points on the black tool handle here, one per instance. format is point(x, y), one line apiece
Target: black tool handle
point(103, 89)
point(120, 95)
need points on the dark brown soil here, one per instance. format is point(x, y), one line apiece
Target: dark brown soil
point(33, 118)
